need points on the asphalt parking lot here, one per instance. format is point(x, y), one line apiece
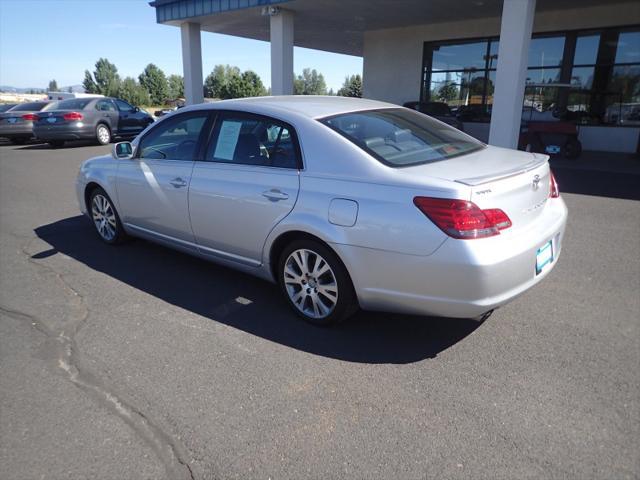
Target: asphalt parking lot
point(137, 362)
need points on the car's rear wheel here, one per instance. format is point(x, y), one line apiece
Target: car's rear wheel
point(19, 140)
point(105, 217)
point(316, 283)
point(103, 134)
point(56, 143)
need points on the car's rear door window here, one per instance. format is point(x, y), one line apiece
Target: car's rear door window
point(175, 138)
point(401, 137)
point(105, 105)
point(124, 106)
point(248, 139)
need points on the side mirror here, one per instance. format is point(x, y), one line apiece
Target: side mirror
point(122, 151)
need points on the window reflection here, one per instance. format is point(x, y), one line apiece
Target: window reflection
point(599, 84)
point(546, 52)
point(460, 57)
point(586, 50)
point(582, 77)
point(628, 48)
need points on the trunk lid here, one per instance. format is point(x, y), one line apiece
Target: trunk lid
point(514, 181)
point(13, 118)
point(52, 117)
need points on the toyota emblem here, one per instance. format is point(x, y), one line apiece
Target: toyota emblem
point(536, 182)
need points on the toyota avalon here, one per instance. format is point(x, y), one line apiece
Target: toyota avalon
point(344, 203)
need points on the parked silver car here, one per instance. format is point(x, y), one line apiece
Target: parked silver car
point(345, 203)
point(97, 118)
point(16, 123)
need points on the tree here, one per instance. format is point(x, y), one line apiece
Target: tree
point(352, 87)
point(217, 79)
point(310, 83)
point(255, 87)
point(176, 87)
point(448, 91)
point(106, 77)
point(155, 82)
point(53, 86)
point(88, 83)
point(226, 81)
point(132, 92)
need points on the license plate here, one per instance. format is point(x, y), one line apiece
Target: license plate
point(52, 119)
point(553, 149)
point(544, 257)
point(12, 120)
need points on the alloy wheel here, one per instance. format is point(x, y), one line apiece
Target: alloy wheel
point(104, 217)
point(310, 283)
point(103, 135)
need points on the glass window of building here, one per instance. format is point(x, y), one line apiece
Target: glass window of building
point(598, 83)
point(546, 52)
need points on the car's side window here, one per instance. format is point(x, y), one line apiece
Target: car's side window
point(105, 106)
point(174, 139)
point(124, 106)
point(253, 140)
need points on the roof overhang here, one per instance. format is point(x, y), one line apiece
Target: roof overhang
point(334, 25)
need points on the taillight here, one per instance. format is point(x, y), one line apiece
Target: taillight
point(554, 191)
point(498, 218)
point(462, 219)
point(72, 116)
point(30, 117)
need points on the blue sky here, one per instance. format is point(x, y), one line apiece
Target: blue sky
point(42, 40)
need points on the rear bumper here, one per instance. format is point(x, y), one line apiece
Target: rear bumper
point(463, 278)
point(72, 131)
point(22, 130)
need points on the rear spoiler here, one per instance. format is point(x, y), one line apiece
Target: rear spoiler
point(538, 160)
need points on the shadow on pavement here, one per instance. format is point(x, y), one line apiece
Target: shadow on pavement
point(600, 174)
point(220, 294)
point(69, 144)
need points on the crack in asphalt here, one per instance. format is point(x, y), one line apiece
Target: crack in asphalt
point(65, 352)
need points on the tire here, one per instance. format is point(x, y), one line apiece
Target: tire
point(56, 143)
point(322, 299)
point(105, 218)
point(103, 134)
point(572, 149)
point(19, 141)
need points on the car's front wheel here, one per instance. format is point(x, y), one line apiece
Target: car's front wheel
point(105, 217)
point(316, 283)
point(103, 134)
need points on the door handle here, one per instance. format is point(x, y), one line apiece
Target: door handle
point(178, 182)
point(275, 195)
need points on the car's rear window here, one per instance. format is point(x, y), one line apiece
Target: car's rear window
point(74, 104)
point(400, 137)
point(29, 107)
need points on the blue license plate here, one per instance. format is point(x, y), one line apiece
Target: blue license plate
point(544, 257)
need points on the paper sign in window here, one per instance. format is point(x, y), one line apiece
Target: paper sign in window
point(227, 140)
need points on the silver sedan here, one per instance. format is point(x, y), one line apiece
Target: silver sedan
point(345, 203)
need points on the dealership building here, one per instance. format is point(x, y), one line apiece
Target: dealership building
point(494, 62)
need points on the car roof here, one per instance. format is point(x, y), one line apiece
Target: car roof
point(312, 106)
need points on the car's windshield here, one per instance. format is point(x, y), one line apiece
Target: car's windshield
point(400, 137)
point(74, 104)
